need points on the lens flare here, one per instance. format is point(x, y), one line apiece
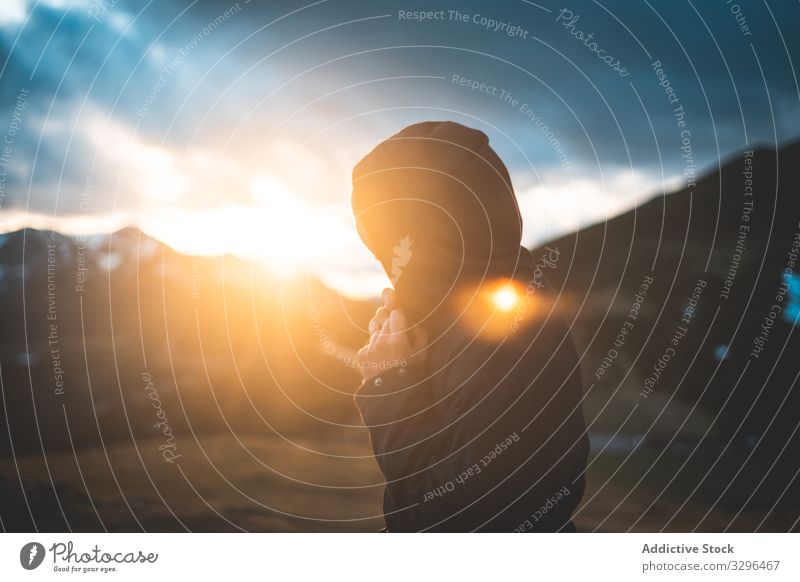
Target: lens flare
point(496, 308)
point(505, 298)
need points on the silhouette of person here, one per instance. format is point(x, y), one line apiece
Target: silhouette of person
point(472, 388)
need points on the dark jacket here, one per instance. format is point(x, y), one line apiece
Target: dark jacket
point(488, 434)
point(493, 440)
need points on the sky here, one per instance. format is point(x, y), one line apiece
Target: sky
point(221, 126)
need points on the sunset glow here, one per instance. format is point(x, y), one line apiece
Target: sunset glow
point(505, 298)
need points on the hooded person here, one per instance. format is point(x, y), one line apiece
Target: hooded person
point(482, 430)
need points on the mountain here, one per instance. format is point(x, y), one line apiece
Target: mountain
point(103, 334)
point(713, 345)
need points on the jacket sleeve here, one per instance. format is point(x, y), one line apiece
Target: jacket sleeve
point(415, 450)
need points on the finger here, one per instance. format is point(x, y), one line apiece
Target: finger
point(398, 322)
point(389, 299)
point(377, 322)
point(374, 326)
point(378, 340)
point(372, 339)
point(398, 326)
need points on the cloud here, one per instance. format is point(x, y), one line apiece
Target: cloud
point(298, 92)
point(558, 206)
point(14, 12)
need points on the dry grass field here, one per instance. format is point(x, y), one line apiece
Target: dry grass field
point(225, 483)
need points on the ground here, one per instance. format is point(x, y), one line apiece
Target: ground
point(330, 483)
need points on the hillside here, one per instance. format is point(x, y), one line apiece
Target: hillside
point(695, 368)
point(96, 330)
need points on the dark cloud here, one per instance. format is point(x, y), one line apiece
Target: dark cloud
point(236, 64)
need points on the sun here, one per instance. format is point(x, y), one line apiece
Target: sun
point(505, 298)
point(493, 309)
point(276, 228)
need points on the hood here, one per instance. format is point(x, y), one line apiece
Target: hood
point(435, 205)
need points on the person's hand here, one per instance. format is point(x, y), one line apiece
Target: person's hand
point(391, 343)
